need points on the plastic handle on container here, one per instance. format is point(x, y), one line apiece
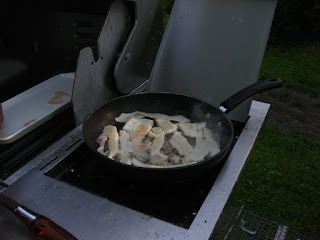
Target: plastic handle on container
point(43, 228)
point(233, 101)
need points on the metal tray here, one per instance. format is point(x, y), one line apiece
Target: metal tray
point(33, 107)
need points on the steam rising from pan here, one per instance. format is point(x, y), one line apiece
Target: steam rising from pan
point(215, 122)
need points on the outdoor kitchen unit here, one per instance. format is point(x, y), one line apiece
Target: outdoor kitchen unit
point(209, 51)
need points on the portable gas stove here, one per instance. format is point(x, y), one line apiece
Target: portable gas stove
point(72, 189)
point(66, 183)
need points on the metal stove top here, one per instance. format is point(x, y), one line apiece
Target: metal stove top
point(15, 155)
point(62, 184)
point(174, 203)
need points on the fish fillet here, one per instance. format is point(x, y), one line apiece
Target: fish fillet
point(113, 140)
point(200, 129)
point(213, 145)
point(200, 151)
point(139, 142)
point(125, 144)
point(192, 129)
point(205, 146)
point(151, 134)
point(188, 129)
point(124, 157)
point(137, 163)
point(175, 159)
point(102, 144)
point(180, 143)
point(139, 149)
point(124, 117)
point(101, 140)
point(166, 125)
point(141, 132)
point(133, 125)
point(104, 135)
point(158, 140)
point(158, 159)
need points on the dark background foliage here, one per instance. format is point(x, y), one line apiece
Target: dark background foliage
point(296, 20)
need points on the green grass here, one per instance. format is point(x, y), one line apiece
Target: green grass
point(297, 64)
point(167, 6)
point(282, 180)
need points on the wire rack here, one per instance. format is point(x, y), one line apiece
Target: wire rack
point(239, 224)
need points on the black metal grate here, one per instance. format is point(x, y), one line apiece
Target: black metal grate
point(15, 155)
point(239, 224)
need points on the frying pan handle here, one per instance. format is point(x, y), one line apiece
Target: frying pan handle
point(233, 101)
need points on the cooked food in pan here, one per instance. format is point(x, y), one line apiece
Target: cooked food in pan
point(157, 140)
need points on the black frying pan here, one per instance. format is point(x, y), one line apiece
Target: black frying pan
point(170, 104)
